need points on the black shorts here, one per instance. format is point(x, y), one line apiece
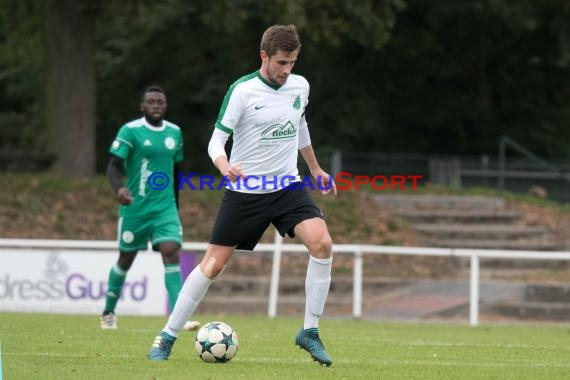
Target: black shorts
point(243, 218)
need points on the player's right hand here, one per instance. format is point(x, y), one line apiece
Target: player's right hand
point(231, 172)
point(124, 196)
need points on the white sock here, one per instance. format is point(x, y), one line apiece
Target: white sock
point(192, 292)
point(317, 286)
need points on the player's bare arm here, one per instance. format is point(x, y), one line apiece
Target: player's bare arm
point(115, 174)
point(317, 172)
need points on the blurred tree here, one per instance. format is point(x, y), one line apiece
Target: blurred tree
point(20, 79)
point(447, 77)
point(459, 75)
point(68, 40)
point(196, 50)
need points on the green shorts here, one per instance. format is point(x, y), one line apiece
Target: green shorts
point(134, 233)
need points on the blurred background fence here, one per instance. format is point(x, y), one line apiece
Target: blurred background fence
point(523, 175)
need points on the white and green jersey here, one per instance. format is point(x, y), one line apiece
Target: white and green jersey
point(265, 119)
point(146, 150)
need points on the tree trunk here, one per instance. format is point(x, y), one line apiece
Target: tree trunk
point(484, 86)
point(68, 40)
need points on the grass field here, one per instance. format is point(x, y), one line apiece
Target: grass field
point(47, 346)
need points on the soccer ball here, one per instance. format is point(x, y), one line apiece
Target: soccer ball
point(216, 342)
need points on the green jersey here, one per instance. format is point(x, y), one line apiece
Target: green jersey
point(145, 150)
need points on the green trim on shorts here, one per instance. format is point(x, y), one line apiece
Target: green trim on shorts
point(168, 239)
point(130, 249)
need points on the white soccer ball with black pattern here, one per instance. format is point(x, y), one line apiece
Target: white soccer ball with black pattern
point(216, 342)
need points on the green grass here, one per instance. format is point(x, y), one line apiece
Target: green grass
point(44, 346)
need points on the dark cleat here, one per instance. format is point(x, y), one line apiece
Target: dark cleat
point(161, 347)
point(310, 341)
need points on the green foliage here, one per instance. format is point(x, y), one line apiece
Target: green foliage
point(73, 347)
point(393, 76)
point(367, 23)
point(20, 76)
point(162, 43)
point(461, 74)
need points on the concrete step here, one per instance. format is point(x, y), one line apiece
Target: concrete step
point(286, 305)
point(459, 216)
point(521, 267)
point(431, 202)
point(522, 245)
point(532, 310)
point(420, 299)
point(500, 231)
point(258, 285)
point(477, 222)
point(547, 293)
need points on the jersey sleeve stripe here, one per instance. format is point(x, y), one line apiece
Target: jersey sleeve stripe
point(125, 141)
point(222, 128)
point(228, 95)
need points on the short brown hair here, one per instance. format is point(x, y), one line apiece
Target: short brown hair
point(280, 37)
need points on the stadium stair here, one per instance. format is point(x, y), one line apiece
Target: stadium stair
point(467, 222)
point(248, 294)
point(481, 223)
point(539, 302)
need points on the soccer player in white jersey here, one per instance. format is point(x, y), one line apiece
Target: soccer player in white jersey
point(143, 146)
point(265, 112)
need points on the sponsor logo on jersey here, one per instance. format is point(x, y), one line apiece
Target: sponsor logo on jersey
point(145, 173)
point(279, 131)
point(297, 102)
point(169, 143)
point(116, 144)
point(147, 143)
point(259, 106)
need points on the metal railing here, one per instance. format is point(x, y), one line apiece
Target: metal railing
point(516, 172)
point(357, 250)
point(504, 142)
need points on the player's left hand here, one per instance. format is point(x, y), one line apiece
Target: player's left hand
point(124, 196)
point(324, 182)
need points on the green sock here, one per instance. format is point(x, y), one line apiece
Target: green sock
point(173, 282)
point(117, 278)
